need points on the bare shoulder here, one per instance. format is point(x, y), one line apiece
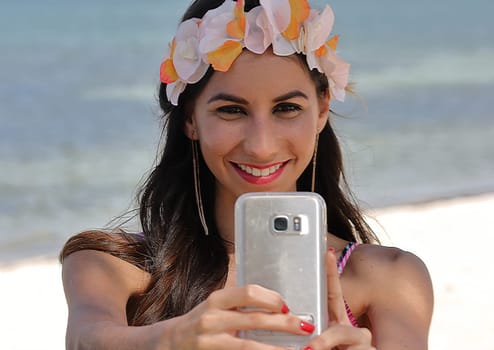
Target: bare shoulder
point(390, 265)
point(98, 283)
point(99, 265)
point(388, 262)
point(400, 297)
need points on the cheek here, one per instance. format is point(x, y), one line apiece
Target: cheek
point(215, 139)
point(304, 137)
point(305, 127)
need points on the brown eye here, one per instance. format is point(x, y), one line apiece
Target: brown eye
point(287, 109)
point(231, 110)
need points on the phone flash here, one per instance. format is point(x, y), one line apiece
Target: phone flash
point(297, 224)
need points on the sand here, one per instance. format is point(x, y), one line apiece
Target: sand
point(453, 237)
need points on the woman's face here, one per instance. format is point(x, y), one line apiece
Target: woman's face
point(257, 124)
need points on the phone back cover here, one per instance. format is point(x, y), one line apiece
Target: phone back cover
point(291, 264)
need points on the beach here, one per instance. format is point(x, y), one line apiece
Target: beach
point(453, 237)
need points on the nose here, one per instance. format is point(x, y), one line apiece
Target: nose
point(261, 139)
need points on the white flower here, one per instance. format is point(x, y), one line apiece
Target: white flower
point(213, 29)
point(320, 54)
point(277, 19)
point(186, 58)
point(258, 31)
point(338, 78)
point(173, 91)
point(316, 32)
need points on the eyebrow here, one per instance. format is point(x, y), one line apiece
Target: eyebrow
point(289, 95)
point(228, 97)
point(239, 100)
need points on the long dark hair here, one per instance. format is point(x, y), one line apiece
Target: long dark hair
point(185, 265)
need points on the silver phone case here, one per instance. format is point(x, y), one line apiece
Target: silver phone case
point(291, 262)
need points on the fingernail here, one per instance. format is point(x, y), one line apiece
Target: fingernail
point(307, 327)
point(331, 249)
point(308, 348)
point(285, 309)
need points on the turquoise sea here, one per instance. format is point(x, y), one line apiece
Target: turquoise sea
point(79, 118)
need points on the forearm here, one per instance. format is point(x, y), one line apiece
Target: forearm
point(107, 335)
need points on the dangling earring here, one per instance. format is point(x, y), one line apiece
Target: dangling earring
point(314, 162)
point(197, 187)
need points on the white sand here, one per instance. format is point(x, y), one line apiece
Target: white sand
point(453, 237)
point(33, 311)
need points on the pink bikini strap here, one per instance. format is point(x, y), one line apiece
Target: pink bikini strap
point(345, 256)
point(342, 261)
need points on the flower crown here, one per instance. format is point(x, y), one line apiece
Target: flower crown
point(289, 26)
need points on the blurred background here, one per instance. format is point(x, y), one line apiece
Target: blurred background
point(79, 121)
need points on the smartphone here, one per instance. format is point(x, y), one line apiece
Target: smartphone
point(280, 244)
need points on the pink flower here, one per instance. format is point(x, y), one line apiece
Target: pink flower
point(221, 37)
point(321, 54)
point(186, 57)
point(273, 21)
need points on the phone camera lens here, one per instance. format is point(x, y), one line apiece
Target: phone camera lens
point(280, 223)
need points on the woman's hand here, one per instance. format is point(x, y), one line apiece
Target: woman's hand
point(340, 334)
point(214, 323)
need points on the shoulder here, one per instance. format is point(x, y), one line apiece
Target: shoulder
point(393, 265)
point(399, 291)
point(98, 286)
point(90, 266)
point(388, 260)
point(382, 267)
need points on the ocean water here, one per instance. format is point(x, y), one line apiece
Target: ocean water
point(79, 119)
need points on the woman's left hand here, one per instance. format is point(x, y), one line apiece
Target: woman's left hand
point(340, 334)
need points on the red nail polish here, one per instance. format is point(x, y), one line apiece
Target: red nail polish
point(307, 327)
point(308, 348)
point(285, 309)
point(331, 249)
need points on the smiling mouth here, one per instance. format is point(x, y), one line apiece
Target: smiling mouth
point(260, 172)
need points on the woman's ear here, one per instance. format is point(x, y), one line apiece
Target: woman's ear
point(324, 101)
point(190, 129)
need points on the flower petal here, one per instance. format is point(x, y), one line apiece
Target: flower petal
point(187, 59)
point(337, 71)
point(277, 13)
point(236, 28)
point(321, 51)
point(222, 58)
point(318, 28)
point(341, 73)
point(282, 46)
point(258, 32)
point(199, 73)
point(333, 42)
point(174, 90)
point(300, 11)
point(213, 29)
point(168, 74)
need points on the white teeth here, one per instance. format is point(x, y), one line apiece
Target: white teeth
point(259, 172)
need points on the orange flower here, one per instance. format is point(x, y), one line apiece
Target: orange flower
point(321, 51)
point(236, 28)
point(299, 12)
point(333, 42)
point(222, 58)
point(168, 73)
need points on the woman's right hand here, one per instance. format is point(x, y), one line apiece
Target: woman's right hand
point(215, 323)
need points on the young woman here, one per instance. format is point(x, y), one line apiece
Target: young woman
point(246, 90)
